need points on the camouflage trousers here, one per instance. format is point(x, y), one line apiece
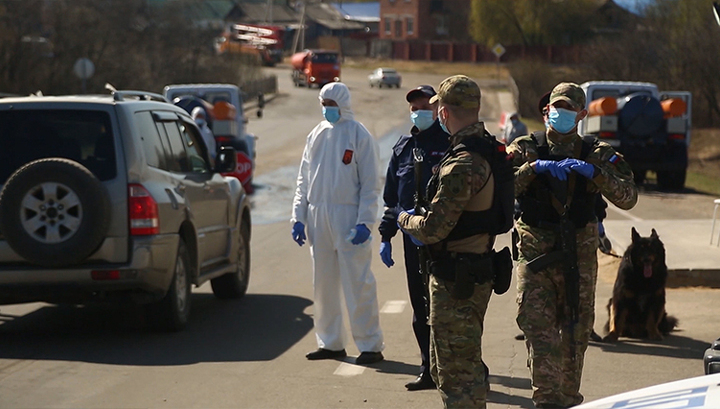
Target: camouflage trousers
point(456, 328)
point(544, 318)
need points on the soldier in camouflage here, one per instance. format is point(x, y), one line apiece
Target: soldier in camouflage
point(463, 183)
point(558, 177)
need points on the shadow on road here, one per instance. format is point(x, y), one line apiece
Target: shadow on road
point(260, 327)
point(397, 367)
point(672, 346)
point(509, 400)
point(510, 382)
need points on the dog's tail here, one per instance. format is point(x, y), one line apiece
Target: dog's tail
point(667, 324)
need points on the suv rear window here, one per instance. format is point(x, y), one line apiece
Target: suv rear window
point(83, 136)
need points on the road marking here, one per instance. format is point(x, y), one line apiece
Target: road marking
point(393, 307)
point(346, 369)
point(624, 213)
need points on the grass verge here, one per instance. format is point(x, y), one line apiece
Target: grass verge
point(478, 71)
point(702, 183)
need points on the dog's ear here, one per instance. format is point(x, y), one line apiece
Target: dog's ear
point(654, 234)
point(635, 235)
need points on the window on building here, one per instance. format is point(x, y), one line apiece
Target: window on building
point(441, 24)
point(388, 26)
point(398, 28)
point(410, 25)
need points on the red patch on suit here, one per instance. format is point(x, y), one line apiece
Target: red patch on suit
point(347, 156)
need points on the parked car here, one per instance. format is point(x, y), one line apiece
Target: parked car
point(385, 77)
point(108, 198)
point(712, 358)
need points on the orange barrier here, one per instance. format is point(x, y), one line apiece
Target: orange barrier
point(673, 107)
point(224, 110)
point(603, 106)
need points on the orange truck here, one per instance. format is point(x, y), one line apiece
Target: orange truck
point(315, 67)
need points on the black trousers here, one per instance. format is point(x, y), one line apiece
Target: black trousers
point(416, 289)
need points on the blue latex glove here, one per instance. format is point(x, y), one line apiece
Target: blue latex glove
point(386, 253)
point(363, 233)
point(555, 168)
point(579, 166)
point(298, 233)
point(413, 239)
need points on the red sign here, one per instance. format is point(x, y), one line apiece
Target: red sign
point(243, 172)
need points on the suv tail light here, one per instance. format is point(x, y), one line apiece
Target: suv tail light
point(143, 212)
point(607, 135)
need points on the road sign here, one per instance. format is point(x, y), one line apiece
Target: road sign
point(84, 68)
point(498, 50)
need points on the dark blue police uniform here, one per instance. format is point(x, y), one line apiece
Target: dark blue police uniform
point(399, 194)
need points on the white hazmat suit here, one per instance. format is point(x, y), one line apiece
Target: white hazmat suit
point(337, 189)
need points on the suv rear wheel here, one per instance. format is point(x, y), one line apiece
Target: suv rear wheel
point(671, 179)
point(54, 212)
point(234, 285)
point(172, 312)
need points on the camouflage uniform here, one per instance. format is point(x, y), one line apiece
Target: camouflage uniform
point(465, 183)
point(543, 314)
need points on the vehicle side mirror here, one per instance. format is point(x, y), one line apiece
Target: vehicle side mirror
point(226, 160)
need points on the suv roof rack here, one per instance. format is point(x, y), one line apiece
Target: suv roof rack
point(142, 95)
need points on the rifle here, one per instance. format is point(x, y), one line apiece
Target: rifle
point(567, 255)
point(421, 210)
point(568, 245)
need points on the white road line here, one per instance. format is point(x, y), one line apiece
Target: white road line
point(624, 213)
point(393, 307)
point(346, 369)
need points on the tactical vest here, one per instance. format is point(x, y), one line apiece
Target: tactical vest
point(536, 203)
point(498, 219)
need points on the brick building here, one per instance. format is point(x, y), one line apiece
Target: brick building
point(428, 20)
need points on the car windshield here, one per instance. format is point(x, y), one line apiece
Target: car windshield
point(324, 58)
point(83, 136)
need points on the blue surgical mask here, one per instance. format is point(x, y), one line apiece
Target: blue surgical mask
point(442, 125)
point(422, 118)
point(332, 114)
point(562, 120)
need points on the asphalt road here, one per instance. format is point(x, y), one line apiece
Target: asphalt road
point(250, 353)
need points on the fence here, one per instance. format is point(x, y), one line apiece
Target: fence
point(471, 52)
point(265, 85)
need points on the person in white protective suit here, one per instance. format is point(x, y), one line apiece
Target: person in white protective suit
point(337, 199)
point(198, 115)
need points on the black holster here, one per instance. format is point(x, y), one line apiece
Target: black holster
point(464, 270)
point(502, 269)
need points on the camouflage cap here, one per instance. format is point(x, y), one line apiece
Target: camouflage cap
point(460, 91)
point(570, 93)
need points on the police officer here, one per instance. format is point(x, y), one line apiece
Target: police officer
point(459, 285)
point(427, 135)
point(556, 183)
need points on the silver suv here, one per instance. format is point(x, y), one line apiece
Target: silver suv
point(116, 197)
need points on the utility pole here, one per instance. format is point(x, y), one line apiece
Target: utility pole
point(300, 32)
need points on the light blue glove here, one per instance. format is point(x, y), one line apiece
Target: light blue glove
point(363, 233)
point(556, 170)
point(298, 233)
point(386, 253)
point(415, 241)
point(579, 166)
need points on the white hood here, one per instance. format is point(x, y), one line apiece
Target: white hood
point(338, 92)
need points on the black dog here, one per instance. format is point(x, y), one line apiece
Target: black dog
point(637, 307)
